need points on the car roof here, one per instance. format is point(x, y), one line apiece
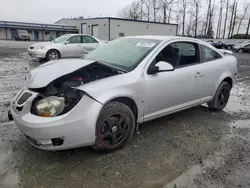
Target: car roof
point(164, 38)
point(70, 34)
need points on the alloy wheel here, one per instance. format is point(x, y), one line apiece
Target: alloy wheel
point(114, 130)
point(53, 55)
point(223, 96)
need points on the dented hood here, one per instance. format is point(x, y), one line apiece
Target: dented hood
point(46, 73)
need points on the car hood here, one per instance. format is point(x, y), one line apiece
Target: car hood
point(41, 44)
point(46, 73)
point(23, 35)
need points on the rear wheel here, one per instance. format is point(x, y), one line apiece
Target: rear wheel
point(53, 55)
point(221, 97)
point(240, 51)
point(115, 126)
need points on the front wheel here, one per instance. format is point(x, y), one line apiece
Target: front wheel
point(53, 55)
point(115, 126)
point(221, 97)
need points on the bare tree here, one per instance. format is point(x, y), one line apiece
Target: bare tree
point(208, 15)
point(155, 7)
point(164, 4)
point(184, 11)
point(167, 7)
point(248, 28)
point(189, 26)
point(208, 28)
point(132, 11)
point(232, 17)
point(147, 5)
point(225, 22)
point(141, 2)
point(219, 20)
point(196, 5)
point(234, 20)
point(178, 19)
point(243, 17)
point(171, 4)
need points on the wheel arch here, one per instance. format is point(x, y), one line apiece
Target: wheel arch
point(128, 102)
point(129, 97)
point(228, 80)
point(55, 50)
point(227, 77)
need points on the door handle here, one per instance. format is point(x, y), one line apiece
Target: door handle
point(198, 74)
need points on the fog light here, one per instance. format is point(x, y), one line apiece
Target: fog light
point(57, 141)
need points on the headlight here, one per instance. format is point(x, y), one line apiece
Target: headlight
point(50, 106)
point(41, 47)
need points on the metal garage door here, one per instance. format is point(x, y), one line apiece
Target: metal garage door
point(95, 31)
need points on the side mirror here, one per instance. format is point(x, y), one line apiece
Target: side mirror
point(51, 38)
point(160, 66)
point(66, 42)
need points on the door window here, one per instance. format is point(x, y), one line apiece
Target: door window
point(121, 34)
point(179, 54)
point(75, 40)
point(88, 39)
point(210, 55)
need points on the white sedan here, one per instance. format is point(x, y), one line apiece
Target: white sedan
point(69, 45)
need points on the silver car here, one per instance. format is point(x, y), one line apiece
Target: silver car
point(99, 101)
point(69, 45)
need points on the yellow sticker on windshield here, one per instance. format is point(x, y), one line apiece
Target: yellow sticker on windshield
point(145, 44)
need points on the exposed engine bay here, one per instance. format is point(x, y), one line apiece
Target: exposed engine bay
point(65, 86)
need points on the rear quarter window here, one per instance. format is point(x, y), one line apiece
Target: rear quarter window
point(209, 54)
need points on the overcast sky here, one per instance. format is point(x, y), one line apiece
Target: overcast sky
point(50, 11)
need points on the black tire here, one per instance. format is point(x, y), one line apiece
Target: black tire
point(115, 126)
point(240, 50)
point(55, 53)
point(221, 97)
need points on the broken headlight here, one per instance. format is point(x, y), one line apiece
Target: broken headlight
point(60, 104)
point(50, 106)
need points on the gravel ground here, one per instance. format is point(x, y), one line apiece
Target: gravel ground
point(192, 148)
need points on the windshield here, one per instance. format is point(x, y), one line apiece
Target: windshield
point(124, 53)
point(22, 32)
point(61, 38)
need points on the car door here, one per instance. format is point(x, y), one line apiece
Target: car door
point(171, 91)
point(89, 44)
point(73, 47)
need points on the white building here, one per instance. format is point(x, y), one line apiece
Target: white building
point(107, 28)
point(37, 31)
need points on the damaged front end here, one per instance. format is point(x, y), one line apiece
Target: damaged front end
point(61, 95)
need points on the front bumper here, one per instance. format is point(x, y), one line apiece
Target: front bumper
point(37, 53)
point(74, 129)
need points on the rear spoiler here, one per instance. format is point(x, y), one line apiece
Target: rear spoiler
point(226, 52)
